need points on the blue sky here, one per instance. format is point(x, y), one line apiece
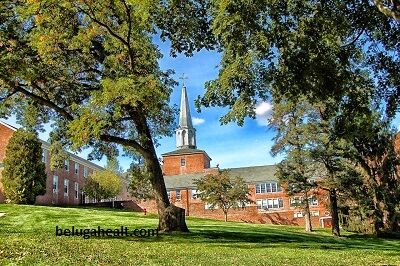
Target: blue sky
point(229, 145)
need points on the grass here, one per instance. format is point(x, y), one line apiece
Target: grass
point(27, 237)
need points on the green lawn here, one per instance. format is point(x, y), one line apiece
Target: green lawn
point(28, 236)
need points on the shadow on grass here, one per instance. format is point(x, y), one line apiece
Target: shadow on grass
point(262, 238)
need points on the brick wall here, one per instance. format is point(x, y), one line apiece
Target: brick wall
point(194, 163)
point(283, 216)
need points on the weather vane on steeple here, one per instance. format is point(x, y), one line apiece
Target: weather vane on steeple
point(183, 78)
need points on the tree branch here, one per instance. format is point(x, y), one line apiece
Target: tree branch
point(124, 142)
point(393, 12)
point(20, 88)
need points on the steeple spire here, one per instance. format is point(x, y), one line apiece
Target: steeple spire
point(186, 133)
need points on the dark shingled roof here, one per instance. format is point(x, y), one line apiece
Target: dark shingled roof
point(253, 174)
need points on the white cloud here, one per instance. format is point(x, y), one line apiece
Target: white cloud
point(197, 121)
point(263, 113)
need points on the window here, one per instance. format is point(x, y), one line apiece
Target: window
point(298, 214)
point(66, 165)
point(178, 195)
point(313, 200)
point(44, 156)
point(207, 206)
point(183, 162)
point(76, 168)
point(76, 190)
point(265, 204)
point(297, 201)
point(169, 194)
point(85, 171)
point(66, 185)
point(314, 213)
point(55, 184)
point(194, 194)
point(302, 214)
point(268, 188)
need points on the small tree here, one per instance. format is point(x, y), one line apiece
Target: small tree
point(140, 186)
point(24, 175)
point(220, 190)
point(105, 184)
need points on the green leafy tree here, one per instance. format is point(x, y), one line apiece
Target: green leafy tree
point(293, 122)
point(222, 191)
point(104, 184)
point(91, 69)
point(24, 175)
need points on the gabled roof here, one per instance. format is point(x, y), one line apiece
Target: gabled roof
point(251, 175)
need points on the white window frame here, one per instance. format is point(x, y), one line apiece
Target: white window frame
point(298, 215)
point(44, 156)
point(271, 203)
point(66, 165)
point(77, 168)
point(66, 187)
point(271, 187)
point(183, 162)
point(76, 190)
point(55, 184)
point(207, 206)
point(85, 172)
point(194, 194)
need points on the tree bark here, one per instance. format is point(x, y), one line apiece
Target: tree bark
point(334, 212)
point(307, 213)
point(170, 217)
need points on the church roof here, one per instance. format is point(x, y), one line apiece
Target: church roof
point(185, 152)
point(251, 175)
point(185, 120)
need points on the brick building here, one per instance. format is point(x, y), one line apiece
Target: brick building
point(272, 206)
point(63, 186)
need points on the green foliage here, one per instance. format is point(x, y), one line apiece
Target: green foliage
point(140, 186)
point(105, 184)
point(222, 191)
point(24, 175)
point(92, 68)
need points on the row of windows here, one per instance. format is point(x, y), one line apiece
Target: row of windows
point(267, 188)
point(265, 204)
point(179, 197)
point(302, 214)
point(298, 200)
point(66, 187)
point(66, 165)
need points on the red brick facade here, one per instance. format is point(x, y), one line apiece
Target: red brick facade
point(185, 163)
point(283, 214)
point(63, 186)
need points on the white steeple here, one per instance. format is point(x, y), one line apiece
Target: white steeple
point(186, 133)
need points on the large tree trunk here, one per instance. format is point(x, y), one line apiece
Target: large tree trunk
point(307, 213)
point(334, 212)
point(170, 217)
